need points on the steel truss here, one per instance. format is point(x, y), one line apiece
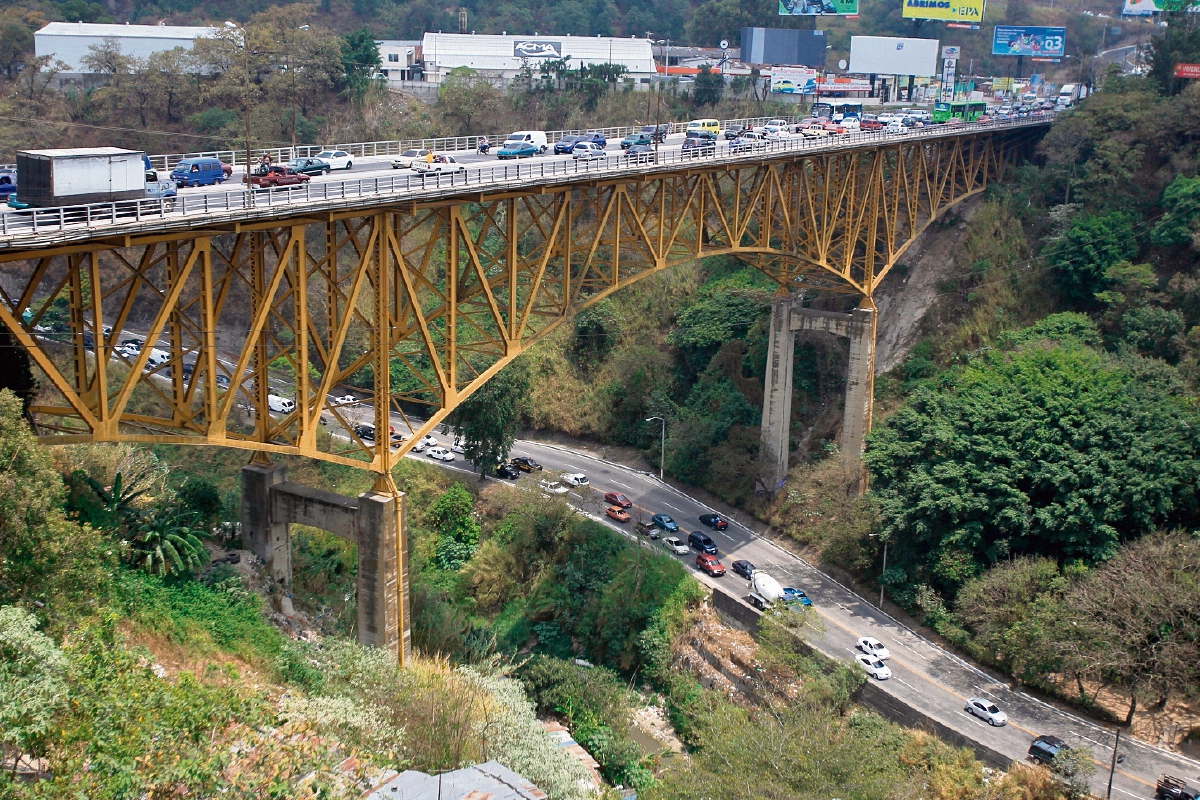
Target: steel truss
point(414, 306)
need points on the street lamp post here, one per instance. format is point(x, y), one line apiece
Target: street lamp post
point(662, 451)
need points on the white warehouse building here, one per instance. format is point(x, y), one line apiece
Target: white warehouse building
point(502, 57)
point(69, 42)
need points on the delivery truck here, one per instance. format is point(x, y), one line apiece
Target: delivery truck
point(80, 175)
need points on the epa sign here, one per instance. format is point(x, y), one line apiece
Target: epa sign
point(1024, 40)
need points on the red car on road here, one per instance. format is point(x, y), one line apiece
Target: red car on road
point(618, 499)
point(278, 175)
point(710, 565)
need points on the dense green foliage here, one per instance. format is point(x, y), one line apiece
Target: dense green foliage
point(487, 422)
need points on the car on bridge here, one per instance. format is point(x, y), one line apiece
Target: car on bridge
point(658, 132)
point(677, 547)
point(664, 522)
point(636, 138)
point(617, 513)
point(874, 667)
point(566, 145)
point(337, 159)
point(277, 176)
point(640, 154)
point(517, 149)
point(747, 143)
point(618, 499)
point(699, 143)
point(439, 164)
point(406, 159)
point(710, 564)
point(714, 521)
point(309, 166)
point(588, 151)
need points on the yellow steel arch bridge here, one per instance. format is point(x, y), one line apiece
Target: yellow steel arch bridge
point(416, 301)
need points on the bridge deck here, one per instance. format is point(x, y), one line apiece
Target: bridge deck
point(36, 228)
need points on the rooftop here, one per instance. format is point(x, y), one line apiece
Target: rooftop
point(92, 30)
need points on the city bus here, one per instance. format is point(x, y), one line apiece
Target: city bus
point(822, 109)
point(967, 111)
point(843, 109)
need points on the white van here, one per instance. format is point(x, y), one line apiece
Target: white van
point(537, 138)
point(280, 404)
point(157, 358)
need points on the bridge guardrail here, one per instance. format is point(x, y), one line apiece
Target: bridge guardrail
point(447, 144)
point(33, 221)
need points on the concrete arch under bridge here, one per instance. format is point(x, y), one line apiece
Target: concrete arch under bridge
point(413, 304)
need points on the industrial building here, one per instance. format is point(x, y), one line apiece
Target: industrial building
point(501, 58)
point(69, 42)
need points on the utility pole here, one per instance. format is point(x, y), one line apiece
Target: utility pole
point(1113, 766)
point(663, 444)
point(882, 573)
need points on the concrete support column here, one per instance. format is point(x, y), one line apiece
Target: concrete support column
point(266, 538)
point(860, 383)
point(777, 394)
point(384, 619)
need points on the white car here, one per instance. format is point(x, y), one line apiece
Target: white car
point(574, 479)
point(344, 399)
point(429, 440)
point(457, 447)
point(439, 164)
point(851, 124)
point(337, 159)
point(987, 711)
point(874, 667)
point(440, 453)
point(777, 123)
point(873, 647)
point(554, 487)
point(677, 547)
point(588, 151)
point(406, 159)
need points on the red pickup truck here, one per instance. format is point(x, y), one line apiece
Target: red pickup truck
point(870, 123)
point(279, 175)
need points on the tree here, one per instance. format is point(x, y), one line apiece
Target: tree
point(1135, 622)
point(166, 541)
point(487, 422)
point(106, 58)
point(710, 86)
point(1180, 221)
point(1090, 245)
point(1050, 449)
point(458, 530)
point(16, 375)
point(464, 95)
point(360, 60)
point(16, 37)
point(32, 687)
point(201, 497)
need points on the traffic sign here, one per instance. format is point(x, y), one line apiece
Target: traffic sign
point(724, 44)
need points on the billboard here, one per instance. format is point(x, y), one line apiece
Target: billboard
point(892, 55)
point(1144, 8)
point(783, 46)
point(945, 10)
point(793, 80)
point(810, 8)
point(1187, 70)
point(536, 48)
point(1025, 40)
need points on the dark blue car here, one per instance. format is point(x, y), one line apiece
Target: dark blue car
point(517, 150)
point(566, 145)
point(665, 522)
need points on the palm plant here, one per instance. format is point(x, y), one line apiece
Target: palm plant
point(166, 541)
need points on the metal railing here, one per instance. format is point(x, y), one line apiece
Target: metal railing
point(424, 185)
point(449, 144)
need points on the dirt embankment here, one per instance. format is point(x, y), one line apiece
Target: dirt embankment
point(911, 287)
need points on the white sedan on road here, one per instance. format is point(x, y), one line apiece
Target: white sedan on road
point(987, 711)
point(440, 453)
point(873, 647)
point(337, 159)
point(345, 399)
point(574, 479)
point(677, 547)
point(874, 667)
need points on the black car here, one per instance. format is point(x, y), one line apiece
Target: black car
point(309, 166)
point(640, 154)
point(526, 464)
point(743, 568)
point(223, 381)
point(701, 541)
point(714, 521)
point(135, 343)
point(1045, 748)
point(365, 432)
point(696, 145)
point(566, 145)
point(658, 132)
point(735, 133)
point(507, 471)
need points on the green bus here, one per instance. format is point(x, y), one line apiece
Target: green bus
point(966, 111)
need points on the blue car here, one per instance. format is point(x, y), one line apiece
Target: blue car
point(665, 522)
point(791, 595)
point(566, 145)
point(517, 150)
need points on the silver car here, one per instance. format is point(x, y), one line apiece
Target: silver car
point(987, 711)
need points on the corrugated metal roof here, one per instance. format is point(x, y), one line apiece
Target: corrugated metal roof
point(73, 152)
point(490, 780)
point(125, 31)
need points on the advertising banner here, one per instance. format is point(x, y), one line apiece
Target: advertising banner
point(946, 10)
point(1187, 70)
point(948, 66)
point(793, 80)
point(1144, 8)
point(815, 8)
point(1026, 40)
point(536, 48)
point(891, 55)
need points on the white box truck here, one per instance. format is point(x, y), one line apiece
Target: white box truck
point(80, 175)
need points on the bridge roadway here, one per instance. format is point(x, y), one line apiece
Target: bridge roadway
point(374, 183)
point(925, 676)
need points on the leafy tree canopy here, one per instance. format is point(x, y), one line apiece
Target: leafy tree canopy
point(1052, 449)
